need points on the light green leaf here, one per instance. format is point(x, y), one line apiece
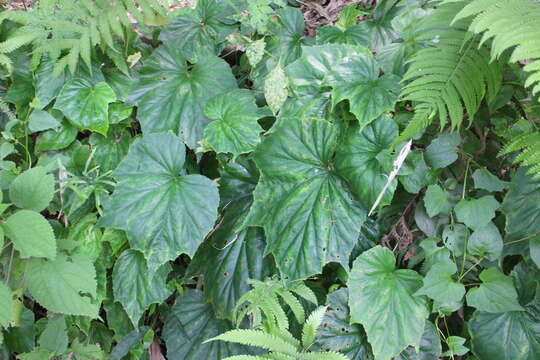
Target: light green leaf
point(31, 234)
point(483, 179)
point(65, 286)
point(134, 287)
point(86, 351)
point(455, 346)
point(433, 253)
point(436, 201)
point(348, 16)
point(275, 88)
point(357, 79)
point(41, 120)
point(33, 189)
point(354, 35)
point(54, 337)
point(171, 93)
point(476, 213)
point(235, 128)
point(486, 242)
point(309, 216)
point(309, 330)
point(86, 105)
point(163, 212)
point(382, 300)
point(497, 293)
point(189, 323)
point(337, 333)
point(255, 51)
point(37, 354)
point(415, 174)
point(439, 285)
point(455, 238)
point(6, 305)
point(365, 162)
point(443, 150)
point(506, 336)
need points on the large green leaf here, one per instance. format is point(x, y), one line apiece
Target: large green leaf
point(354, 35)
point(430, 346)
point(311, 75)
point(163, 212)
point(287, 30)
point(436, 201)
point(476, 213)
point(47, 85)
point(65, 286)
point(486, 241)
point(54, 337)
point(497, 293)
point(443, 150)
point(506, 336)
point(521, 206)
point(33, 189)
point(337, 333)
point(235, 128)
point(57, 139)
point(110, 150)
point(365, 163)
point(31, 234)
point(86, 105)
point(309, 216)
point(134, 287)
point(382, 300)
point(199, 32)
point(171, 93)
point(6, 304)
point(236, 256)
point(483, 179)
point(189, 323)
point(439, 285)
point(357, 79)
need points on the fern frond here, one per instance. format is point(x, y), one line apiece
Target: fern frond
point(529, 145)
point(294, 304)
point(511, 24)
point(285, 335)
point(259, 339)
point(309, 331)
point(69, 30)
point(302, 290)
point(244, 357)
point(264, 297)
point(450, 76)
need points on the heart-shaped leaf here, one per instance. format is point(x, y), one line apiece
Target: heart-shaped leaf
point(382, 300)
point(86, 105)
point(164, 212)
point(172, 93)
point(308, 213)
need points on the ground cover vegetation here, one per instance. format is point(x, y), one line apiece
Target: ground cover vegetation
point(270, 179)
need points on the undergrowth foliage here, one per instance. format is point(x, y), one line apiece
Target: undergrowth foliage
point(202, 180)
